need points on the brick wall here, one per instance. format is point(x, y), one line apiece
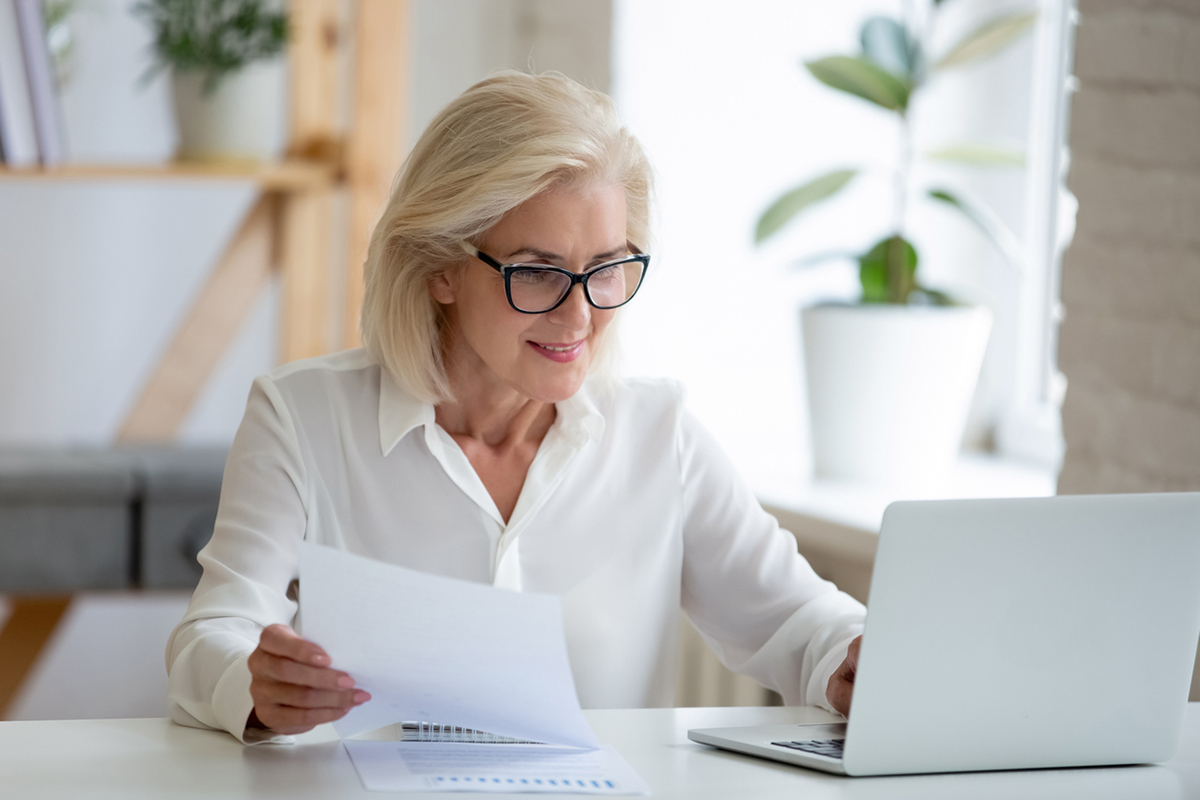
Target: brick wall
point(1130, 342)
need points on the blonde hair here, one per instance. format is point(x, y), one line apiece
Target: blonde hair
point(500, 143)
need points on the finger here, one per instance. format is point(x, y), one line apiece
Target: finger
point(285, 670)
point(286, 694)
point(270, 698)
point(840, 688)
point(839, 694)
point(852, 651)
point(280, 640)
point(288, 720)
point(849, 666)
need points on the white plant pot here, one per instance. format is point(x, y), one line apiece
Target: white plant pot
point(889, 388)
point(244, 118)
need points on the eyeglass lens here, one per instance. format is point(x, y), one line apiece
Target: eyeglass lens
point(539, 290)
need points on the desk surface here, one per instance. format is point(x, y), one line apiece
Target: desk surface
point(153, 758)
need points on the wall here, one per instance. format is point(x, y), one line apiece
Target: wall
point(1130, 342)
point(458, 42)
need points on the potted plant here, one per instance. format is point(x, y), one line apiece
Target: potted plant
point(228, 75)
point(890, 379)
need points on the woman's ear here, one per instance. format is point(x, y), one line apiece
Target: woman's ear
point(442, 288)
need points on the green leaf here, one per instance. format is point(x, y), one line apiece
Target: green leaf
point(888, 271)
point(1003, 239)
point(886, 43)
point(978, 154)
point(862, 78)
point(987, 39)
point(792, 203)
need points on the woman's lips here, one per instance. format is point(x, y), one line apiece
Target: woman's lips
point(560, 352)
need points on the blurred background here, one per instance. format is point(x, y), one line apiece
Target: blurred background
point(147, 275)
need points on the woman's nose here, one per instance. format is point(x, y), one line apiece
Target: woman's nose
point(575, 313)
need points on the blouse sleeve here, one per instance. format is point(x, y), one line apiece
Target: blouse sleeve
point(752, 596)
point(249, 566)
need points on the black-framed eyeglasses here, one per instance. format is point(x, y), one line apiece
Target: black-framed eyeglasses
point(538, 288)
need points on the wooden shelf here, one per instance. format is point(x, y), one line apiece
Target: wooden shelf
point(290, 228)
point(289, 175)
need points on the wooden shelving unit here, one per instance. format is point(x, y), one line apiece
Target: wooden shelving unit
point(289, 175)
point(289, 227)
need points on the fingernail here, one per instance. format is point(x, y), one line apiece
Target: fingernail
point(361, 697)
point(320, 658)
point(345, 682)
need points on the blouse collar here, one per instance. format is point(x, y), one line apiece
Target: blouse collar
point(399, 413)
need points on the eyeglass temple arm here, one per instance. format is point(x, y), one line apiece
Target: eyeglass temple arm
point(473, 251)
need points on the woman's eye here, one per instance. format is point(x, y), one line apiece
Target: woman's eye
point(531, 276)
point(605, 275)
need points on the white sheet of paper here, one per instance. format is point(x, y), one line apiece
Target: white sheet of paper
point(434, 649)
point(427, 767)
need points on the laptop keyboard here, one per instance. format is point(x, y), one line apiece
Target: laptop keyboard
point(822, 747)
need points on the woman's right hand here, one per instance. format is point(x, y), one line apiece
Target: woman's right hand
point(293, 686)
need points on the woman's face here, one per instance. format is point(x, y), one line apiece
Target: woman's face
point(543, 357)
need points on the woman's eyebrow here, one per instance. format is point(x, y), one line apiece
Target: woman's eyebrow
point(616, 251)
point(535, 252)
point(548, 256)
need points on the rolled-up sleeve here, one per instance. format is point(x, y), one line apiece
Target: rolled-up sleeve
point(248, 567)
point(752, 596)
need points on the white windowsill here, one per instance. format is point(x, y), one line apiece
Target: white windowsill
point(861, 505)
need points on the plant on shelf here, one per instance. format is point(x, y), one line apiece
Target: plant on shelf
point(213, 37)
point(892, 67)
point(227, 73)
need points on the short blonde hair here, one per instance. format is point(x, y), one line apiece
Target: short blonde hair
point(500, 143)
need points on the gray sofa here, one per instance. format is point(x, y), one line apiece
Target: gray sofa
point(125, 517)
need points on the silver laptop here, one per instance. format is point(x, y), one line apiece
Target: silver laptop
point(1015, 634)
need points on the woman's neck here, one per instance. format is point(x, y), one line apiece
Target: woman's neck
point(491, 412)
point(499, 431)
point(496, 422)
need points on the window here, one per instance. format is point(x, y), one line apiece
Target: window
point(719, 97)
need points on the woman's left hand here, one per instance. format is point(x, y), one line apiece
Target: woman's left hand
point(841, 683)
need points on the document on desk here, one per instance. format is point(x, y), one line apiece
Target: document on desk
point(426, 767)
point(450, 652)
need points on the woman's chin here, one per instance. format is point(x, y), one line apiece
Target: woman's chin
point(556, 388)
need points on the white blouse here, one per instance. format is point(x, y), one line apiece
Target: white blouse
point(630, 512)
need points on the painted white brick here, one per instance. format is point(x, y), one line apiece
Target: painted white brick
point(1108, 351)
point(1087, 277)
point(1186, 284)
point(1123, 202)
point(1187, 196)
point(1108, 427)
point(1152, 128)
point(1186, 8)
point(1160, 439)
point(1128, 46)
point(1130, 343)
point(1189, 64)
point(1086, 415)
point(1129, 204)
point(1089, 475)
point(1136, 281)
point(1176, 364)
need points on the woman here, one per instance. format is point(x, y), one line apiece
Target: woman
point(479, 435)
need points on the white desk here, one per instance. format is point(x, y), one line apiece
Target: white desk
point(153, 758)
